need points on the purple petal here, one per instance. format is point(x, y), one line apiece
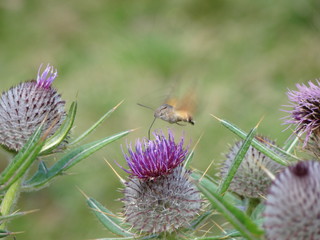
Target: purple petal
point(46, 78)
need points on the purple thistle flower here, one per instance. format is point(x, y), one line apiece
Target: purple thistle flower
point(154, 158)
point(161, 205)
point(305, 114)
point(293, 203)
point(23, 108)
point(159, 196)
point(47, 77)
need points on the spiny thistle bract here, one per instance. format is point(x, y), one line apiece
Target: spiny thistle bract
point(250, 179)
point(293, 203)
point(25, 106)
point(159, 196)
point(305, 113)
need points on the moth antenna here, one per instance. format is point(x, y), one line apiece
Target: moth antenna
point(141, 105)
point(151, 127)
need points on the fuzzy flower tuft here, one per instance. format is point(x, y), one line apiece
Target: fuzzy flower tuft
point(305, 113)
point(293, 203)
point(46, 78)
point(154, 158)
point(250, 180)
point(25, 106)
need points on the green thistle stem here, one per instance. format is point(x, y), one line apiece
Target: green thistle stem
point(253, 203)
point(9, 199)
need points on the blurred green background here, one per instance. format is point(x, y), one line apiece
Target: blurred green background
point(243, 55)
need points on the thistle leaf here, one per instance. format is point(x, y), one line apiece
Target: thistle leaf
point(108, 219)
point(236, 163)
point(189, 159)
point(15, 215)
point(22, 161)
point(4, 233)
point(198, 221)
point(62, 132)
point(259, 146)
point(209, 183)
point(43, 176)
point(241, 222)
point(291, 144)
point(95, 125)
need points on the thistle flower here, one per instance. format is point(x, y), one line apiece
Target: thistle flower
point(305, 113)
point(163, 204)
point(159, 196)
point(293, 203)
point(24, 106)
point(155, 158)
point(251, 179)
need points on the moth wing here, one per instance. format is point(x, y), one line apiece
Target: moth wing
point(187, 103)
point(172, 102)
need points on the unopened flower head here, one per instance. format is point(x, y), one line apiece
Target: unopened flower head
point(293, 203)
point(251, 179)
point(159, 196)
point(153, 158)
point(305, 113)
point(24, 106)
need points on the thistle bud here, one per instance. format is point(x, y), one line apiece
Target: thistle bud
point(293, 203)
point(24, 107)
point(250, 180)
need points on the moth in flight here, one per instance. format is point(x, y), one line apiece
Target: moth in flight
point(175, 110)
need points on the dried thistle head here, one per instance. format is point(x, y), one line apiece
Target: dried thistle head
point(24, 106)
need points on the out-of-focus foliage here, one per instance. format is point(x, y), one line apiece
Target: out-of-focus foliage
point(241, 54)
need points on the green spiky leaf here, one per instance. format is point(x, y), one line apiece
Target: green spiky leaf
point(108, 219)
point(44, 175)
point(199, 220)
point(22, 161)
point(237, 161)
point(54, 141)
point(209, 183)
point(95, 125)
point(14, 215)
point(189, 159)
point(4, 233)
point(240, 221)
point(260, 146)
